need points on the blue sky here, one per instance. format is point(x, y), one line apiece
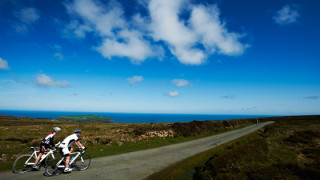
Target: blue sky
point(161, 56)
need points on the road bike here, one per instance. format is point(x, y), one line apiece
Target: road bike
point(25, 162)
point(78, 161)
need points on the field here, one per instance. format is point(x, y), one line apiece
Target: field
point(287, 149)
point(85, 119)
point(103, 139)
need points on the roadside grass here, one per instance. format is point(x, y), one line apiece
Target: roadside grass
point(185, 169)
point(287, 149)
point(17, 135)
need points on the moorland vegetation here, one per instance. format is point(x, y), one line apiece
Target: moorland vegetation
point(286, 149)
point(18, 134)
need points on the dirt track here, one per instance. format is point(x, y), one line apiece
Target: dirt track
point(140, 164)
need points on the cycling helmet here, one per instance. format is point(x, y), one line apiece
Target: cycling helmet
point(56, 129)
point(78, 131)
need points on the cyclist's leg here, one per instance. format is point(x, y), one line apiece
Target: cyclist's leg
point(38, 158)
point(42, 150)
point(67, 160)
point(66, 154)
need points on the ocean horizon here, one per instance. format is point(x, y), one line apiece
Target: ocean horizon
point(129, 117)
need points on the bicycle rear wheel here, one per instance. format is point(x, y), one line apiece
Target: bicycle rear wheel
point(82, 162)
point(49, 158)
point(23, 164)
point(54, 168)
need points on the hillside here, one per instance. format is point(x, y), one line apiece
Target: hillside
point(85, 119)
point(287, 149)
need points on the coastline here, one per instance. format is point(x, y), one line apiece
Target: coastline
point(130, 117)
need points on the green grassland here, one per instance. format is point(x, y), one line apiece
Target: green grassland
point(286, 149)
point(85, 119)
point(17, 135)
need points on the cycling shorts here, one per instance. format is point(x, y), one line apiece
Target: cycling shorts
point(65, 151)
point(44, 147)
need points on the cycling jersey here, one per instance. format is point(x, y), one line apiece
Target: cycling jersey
point(49, 139)
point(68, 141)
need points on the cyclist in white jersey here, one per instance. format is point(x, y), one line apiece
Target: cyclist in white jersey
point(45, 144)
point(66, 148)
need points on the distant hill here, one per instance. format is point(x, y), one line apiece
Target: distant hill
point(86, 119)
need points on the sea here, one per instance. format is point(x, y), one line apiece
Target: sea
point(130, 117)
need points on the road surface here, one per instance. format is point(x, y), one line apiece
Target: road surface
point(140, 164)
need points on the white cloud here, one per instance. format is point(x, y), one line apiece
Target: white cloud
point(173, 93)
point(133, 46)
point(180, 82)
point(213, 33)
point(139, 37)
point(4, 64)
point(203, 27)
point(45, 81)
point(135, 79)
point(167, 27)
point(287, 15)
point(26, 17)
point(117, 36)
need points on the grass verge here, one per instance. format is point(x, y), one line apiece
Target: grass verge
point(287, 149)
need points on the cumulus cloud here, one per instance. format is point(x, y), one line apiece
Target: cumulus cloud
point(191, 40)
point(213, 33)
point(182, 36)
point(43, 80)
point(135, 79)
point(4, 64)
point(286, 15)
point(108, 22)
point(180, 82)
point(26, 17)
point(133, 46)
point(173, 94)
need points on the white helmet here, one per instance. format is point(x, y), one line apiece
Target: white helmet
point(56, 129)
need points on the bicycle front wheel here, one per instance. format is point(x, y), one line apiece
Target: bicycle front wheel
point(54, 167)
point(82, 162)
point(23, 164)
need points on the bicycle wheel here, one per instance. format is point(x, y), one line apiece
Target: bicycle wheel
point(23, 164)
point(49, 158)
point(82, 162)
point(54, 168)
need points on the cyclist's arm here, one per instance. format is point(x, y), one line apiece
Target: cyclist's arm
point(51, 142)
point(79, 144)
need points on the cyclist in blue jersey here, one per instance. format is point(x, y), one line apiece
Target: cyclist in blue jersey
point(45, 144)
point(66, 148)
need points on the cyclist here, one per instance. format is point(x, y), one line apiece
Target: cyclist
point(45, 144)
point(66, 148)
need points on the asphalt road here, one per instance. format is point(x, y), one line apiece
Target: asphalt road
point(139, 164)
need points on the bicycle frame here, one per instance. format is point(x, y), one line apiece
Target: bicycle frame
point(35, 155)
point(59, 165)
